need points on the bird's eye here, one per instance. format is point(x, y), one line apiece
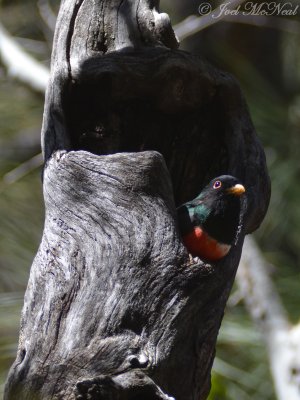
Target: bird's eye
point(217, 185)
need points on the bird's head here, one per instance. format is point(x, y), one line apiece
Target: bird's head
point(221, 199)
point(222, 187)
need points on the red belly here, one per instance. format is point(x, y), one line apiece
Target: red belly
point(200, 244)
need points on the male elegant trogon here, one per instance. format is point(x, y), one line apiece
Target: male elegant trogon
point(209, 223)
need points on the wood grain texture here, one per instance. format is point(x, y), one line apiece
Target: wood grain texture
point(112, 292)
point(115, 308)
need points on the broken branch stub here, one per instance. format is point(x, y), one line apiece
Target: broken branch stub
point(115, 308)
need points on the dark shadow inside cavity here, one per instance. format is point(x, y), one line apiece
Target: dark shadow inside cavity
point(112, 114)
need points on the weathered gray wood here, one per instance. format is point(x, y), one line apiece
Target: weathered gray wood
point(85, 29)
point(115, 308)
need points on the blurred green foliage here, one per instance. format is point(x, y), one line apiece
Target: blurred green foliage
point(21, 209)
point(266, 62)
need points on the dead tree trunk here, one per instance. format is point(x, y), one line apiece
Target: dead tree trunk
point(115, 308)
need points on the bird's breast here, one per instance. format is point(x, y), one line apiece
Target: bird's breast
point(200, 244)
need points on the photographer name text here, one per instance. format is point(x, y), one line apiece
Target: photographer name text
point(250, 8)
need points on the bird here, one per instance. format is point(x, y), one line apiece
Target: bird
point(209, 223)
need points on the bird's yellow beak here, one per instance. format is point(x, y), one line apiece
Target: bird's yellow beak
point(237, 190)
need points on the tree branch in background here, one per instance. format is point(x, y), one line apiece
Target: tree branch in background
point(266, 309)
point(193, 24)
point(47, 14)
point(25, 68)
point(20, 65)
point(23, 169)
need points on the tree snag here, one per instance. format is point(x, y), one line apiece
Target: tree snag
point(115, 308)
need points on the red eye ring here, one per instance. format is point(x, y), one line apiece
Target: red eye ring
point(217, 185)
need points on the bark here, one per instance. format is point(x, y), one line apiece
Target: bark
point(115, 308)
